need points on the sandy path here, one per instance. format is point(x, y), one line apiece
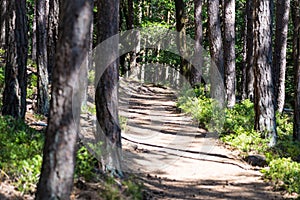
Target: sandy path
point(174, 158)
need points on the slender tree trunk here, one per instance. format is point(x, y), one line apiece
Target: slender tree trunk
point(108, 129)
point(34, 39)
point(14, 96)
point(181, 38)
point(242, 87)
point(196, 70)
point(52, 34)
point(263, 86)
point(41, 33)
point(296, 58)
point(250, 50)
point(2, 23)
point(281, 34)
point(56, 178)
point(216, 48)
point(229, 51)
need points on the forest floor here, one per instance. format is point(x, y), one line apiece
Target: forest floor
point(177, 160)
point(174, 159)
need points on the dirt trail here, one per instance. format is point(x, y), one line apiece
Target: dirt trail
point(174, 158)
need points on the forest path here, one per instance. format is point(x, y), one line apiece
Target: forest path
point(174, 158)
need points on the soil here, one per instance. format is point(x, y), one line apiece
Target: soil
point(174, 158)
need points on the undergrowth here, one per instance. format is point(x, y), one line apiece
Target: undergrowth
point(238, 131)
point(21, 150)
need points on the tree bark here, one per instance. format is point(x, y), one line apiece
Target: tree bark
point(14, 96)
point(296, 58)
point(56, 178)
point(196, 70)
point(41, 33)
point(2, 23)
point(263, 86)
point(250, 50)
point(281, 34)
point(229, 51)
point(216, 47)
point(108, 129)
point(52, 34)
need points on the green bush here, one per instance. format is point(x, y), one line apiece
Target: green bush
point(21, 150)
point(284, 173)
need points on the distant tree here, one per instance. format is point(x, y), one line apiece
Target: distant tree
point(263, 86)
point(41, 58)
point(281, 35)
point(57, 172)
point(250, 50)
point(229, 51)
point(14, 96)
point(108, 128)
point(296, 58)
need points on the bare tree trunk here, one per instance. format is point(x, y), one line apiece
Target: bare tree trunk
point(281, 34)
point(56, 178)
point(196, 70)
point(14, 96)
point(263, 86)
point(52, 34)
point(108, 129)
point(41, 33)
point(2, 23)
point(242, 87)
point(296, 58)
point(250, 50)
point(181, 20)
point(229, 51)
point(216, 47)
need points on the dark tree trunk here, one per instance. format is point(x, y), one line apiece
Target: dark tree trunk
point(229, 51)
point(181, 20)
point(41, 33)
point(52, 34)
point(296, 58)
point(196, 70)
point(14, 97)
point(108, 129)
point(281, 34)
point(34, 39)
point(242, 86)
point(250, 50)
point(56, 179)
point(263, 86)
point(216, 48)
point(2, 23)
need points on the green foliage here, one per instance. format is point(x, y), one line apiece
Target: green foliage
point(284, 173)
point(85, 164)
point(21, 150)
point(205, 110)
point(127, 189)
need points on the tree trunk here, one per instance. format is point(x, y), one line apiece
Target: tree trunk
point(296, 58)
point(34, 39)
point(41, 33)
point(250, 50)
point(14, 96)
point(242, 85)
point(196, 70)
point(2, 23)
point(263, 86)
point(282, 20)
point(56, 178)
point(181, 20)
point(52, 34)
point(108, 129)
point(229, 51)
point(216, 48)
